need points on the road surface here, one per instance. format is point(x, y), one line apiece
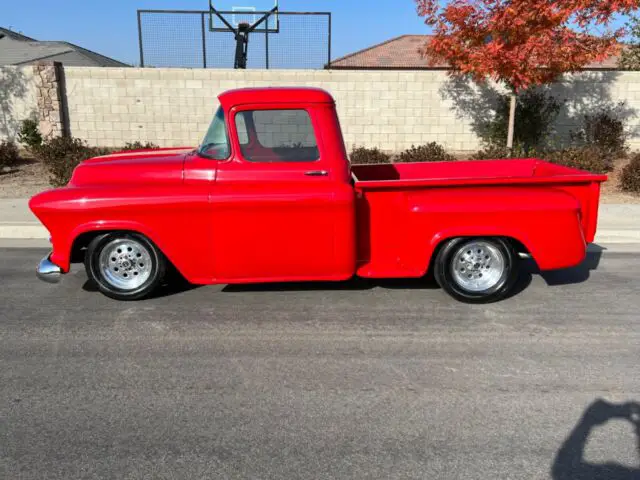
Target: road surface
point(357, 380)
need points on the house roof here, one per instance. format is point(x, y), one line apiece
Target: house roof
point(402, 53)
point(14, 35)
point(18, 49)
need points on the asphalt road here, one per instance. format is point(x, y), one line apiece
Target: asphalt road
point(358, 380)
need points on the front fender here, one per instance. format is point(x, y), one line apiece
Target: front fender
point(63, 244)
point(176, 219)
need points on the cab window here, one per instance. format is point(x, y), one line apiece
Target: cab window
point(216, 142)
point(276, 136)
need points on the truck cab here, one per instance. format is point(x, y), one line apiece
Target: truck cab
point(282, 203)
point(270, 196)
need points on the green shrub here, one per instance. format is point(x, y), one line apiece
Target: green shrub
point(535, 113)
point(605, 130)
point(61, 155)
point(630, 176)
point(363, 155)
point(431, 152)
point(9, 156)
point(137, 145)
point(590, 158)
point(491, 152)
point(29, 134)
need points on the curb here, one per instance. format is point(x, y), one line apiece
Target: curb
point(618, 236)
point(23, 230)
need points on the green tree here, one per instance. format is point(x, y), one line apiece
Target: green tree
point(630, 58)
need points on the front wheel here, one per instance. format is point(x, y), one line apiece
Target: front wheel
point(125, 266)
point(477, 270)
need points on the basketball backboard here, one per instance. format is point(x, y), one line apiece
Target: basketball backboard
point(235, 15)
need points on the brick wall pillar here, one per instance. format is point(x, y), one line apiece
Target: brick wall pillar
point(50, 95)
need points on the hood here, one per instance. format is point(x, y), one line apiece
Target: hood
point(163, 166)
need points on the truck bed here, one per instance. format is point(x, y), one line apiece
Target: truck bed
point(552, 210)
point(480, 172)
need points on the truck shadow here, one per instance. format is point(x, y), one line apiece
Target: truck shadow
point(354, 284)
point(175, 286)
point(570, 464)
point(569, 276)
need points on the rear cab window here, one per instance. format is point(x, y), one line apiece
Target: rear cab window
point(277, 136)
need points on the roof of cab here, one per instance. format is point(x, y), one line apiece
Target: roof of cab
point(242, 96)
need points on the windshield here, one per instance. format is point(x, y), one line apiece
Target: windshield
point(216, 143)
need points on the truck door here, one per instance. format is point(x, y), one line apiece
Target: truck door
point(279, 211)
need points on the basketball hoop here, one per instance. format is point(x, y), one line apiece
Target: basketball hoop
point(266, 22)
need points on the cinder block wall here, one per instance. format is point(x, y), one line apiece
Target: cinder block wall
point(172, 107)
point(391, 110)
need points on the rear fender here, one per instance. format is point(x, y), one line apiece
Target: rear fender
point(563, 247)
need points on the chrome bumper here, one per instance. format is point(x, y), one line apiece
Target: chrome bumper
point(48, 271)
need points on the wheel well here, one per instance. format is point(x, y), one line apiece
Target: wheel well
point(81, 243)
point(517, 245)
point(83, 240)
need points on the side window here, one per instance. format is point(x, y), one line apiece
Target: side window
point(277, 136)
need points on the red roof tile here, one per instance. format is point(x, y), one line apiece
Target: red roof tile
point(403, 53)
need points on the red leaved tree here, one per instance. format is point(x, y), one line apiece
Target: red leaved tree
point(521, 43)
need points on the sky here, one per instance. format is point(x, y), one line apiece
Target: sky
point(110, 27)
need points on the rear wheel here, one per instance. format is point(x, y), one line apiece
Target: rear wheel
point(477, 270)
point(125, 266)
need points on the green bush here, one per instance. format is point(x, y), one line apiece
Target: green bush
point(535, 113)
point(363, 155)
point(590, 158)
point(29, 134)
point(630, 176)
point(9, 156)
point(61, 155)
point(605, 130)
point(137, 145)
point(497, 152)
point(431, 152)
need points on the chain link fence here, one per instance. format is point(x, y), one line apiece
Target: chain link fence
point(182, 38)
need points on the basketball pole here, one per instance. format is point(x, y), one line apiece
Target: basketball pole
point(242, 35)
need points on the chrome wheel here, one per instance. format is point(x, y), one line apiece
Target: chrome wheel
point(125, 263)
point(478, 266)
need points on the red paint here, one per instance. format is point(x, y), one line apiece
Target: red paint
point(234, 221)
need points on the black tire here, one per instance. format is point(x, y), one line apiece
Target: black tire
point(456, 250)
point(155, 265)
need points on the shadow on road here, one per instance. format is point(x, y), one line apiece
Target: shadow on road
point(175, 286)
point(570, 464)
point(567, 276)
point(354, 284)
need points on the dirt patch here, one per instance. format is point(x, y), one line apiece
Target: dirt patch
point(611, 192)
point(25, 181)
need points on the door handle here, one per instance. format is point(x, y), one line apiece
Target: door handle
point(316, 173)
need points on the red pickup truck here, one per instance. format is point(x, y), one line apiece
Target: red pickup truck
point(270, 196)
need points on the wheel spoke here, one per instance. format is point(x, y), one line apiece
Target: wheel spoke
point(125, 264)
point(477, 266)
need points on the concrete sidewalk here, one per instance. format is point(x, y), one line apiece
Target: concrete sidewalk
point(616, 224)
